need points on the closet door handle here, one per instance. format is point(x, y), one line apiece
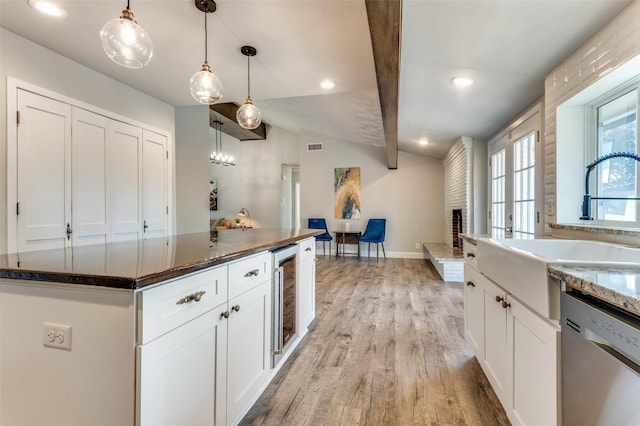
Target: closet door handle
point(69, 231)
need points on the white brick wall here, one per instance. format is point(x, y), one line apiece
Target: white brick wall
point(458, 169)
point(611, 47)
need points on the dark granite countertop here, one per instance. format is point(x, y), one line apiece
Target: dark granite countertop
point(135, 264)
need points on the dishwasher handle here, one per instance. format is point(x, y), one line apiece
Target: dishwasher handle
point(590, 337)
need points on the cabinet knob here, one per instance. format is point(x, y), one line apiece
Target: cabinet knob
point(499, 299)
point(225, 314)
point(69, 231)
point(506, 305)
point(307, 249)
point(236, 308)
point(471, 284)
point(471, 254)
point(253, 272)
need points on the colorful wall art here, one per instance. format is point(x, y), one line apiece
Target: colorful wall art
point(347, 193)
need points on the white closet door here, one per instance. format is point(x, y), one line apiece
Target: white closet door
point(154, 184)
point(44, 172)
point(90, 181)
point(125, 148)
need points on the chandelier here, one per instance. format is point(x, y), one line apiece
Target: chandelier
point(217, 156)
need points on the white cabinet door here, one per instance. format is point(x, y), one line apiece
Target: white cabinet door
point(125, 151)
point(177, 374)
point(154, 184)
point(249, 338)
point(43, 173)
point(306, 284)
point(496, 356)
point(306, 294)
point(474, 310)
point(534, 357)
point(90, 180)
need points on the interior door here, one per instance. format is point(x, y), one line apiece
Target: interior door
point(44, 172)
point(125, 152)
point(154, 184)
point(90, 181)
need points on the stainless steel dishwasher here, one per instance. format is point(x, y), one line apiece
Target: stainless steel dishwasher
point(600, 363)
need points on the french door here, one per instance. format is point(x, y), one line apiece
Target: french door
point(515, 189)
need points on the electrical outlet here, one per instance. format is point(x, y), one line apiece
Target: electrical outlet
point(57, 336)
point(417, 245)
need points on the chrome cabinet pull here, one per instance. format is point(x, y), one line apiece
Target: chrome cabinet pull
point(471, 255)
point(307, 249)
point(471, 284)
point(253, 272)
point(191, 298)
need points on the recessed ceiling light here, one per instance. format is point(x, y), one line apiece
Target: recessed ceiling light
point(328, 84)
point(423, 141)
point(48, 8)
point(462, 81)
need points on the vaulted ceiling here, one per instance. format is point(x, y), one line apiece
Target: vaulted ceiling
point(507, 46)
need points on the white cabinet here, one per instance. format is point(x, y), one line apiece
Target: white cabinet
point(204, 345)
point(533, 348)
point(495, 333)
point(249, 349)
point(82, 177)
point(474, 310)
point(517, 349)
point(306, 277)
point(43, 202)
point(179, 372)
point(182, 351)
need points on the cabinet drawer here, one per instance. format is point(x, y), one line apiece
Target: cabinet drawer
point(470, 254)
point(167, 306)
point(306, 249)
point(247, 273)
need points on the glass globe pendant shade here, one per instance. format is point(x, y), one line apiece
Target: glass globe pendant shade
point(248, 115)
point(126, 42)
point(205, 87)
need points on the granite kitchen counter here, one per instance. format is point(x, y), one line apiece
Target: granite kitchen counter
point(138, 263)
point(617, 286)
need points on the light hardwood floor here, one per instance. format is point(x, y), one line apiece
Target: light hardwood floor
point(386, 348)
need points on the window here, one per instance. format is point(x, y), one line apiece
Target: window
point(617, 128)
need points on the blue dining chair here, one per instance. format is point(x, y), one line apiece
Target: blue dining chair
point(318, 223)
point(374, 233)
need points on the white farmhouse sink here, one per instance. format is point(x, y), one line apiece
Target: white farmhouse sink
point(520, 266)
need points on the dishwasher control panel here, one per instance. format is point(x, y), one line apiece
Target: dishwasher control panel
point(600, 326)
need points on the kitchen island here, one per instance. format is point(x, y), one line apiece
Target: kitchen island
point(162, 331)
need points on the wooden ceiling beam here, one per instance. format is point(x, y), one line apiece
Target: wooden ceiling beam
point(385, 18)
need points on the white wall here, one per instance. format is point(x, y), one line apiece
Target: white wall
point(192, 169)
point(31, 63)
point(410, 198)
point(255, 182)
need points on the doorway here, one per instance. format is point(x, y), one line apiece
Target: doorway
point(290, 196)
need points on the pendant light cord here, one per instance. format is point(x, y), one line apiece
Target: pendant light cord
point(206, 33)
point(249, 76)
point(127, 4)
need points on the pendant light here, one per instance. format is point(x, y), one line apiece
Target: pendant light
point(205, 87)
point(126, 42)
point(217, 156)
point(248, 115)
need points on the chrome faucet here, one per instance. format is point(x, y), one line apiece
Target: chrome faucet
point(586, 200)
